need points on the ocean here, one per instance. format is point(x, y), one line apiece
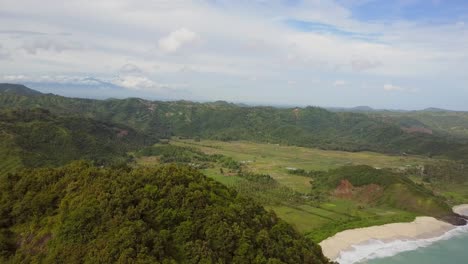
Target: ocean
point(451, 251)
point(450, 248)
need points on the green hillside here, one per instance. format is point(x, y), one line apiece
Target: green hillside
point(390, 189)
point(449, 123)
point(36, 137)
point(169, 214)
point(309, 127)
point(317, 191)
point(164, 211)
point(10, 155)
point(17, 89)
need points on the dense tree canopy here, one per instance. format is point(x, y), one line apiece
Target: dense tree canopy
point(36, 137)
point(170, 214)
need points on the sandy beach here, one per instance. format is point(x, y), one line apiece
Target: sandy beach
point(421, 228)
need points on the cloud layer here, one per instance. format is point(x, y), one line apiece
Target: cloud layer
point(244, 50)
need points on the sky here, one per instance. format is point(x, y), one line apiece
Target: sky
point(394, 54)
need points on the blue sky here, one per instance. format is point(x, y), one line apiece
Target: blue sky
point(422, 10)
point(407, 54)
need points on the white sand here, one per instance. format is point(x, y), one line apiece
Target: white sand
point(422, 227)
point(461, 209)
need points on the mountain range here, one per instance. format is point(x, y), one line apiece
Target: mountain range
point(308, 126)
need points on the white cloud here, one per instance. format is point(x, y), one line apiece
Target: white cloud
point(13, 78)
point(130, 82)
point(248, 35)
point(136, 83)
point(177, 39)
point(391, 87)
point(339, 83)
point(45, 44)
point(142, 83)
point(55, 79)
point(235, 40)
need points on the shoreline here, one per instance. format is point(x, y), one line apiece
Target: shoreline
point(422, 228)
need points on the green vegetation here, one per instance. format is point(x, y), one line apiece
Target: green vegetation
point(34, 138)
point(190, 156)
point(261, 187)
point(390, 189)
point(430, 120)
point(445, 177)
point(169, 214)
point(147, 203)
point(360, 220)
point(308, 127)
point(279, 161)
point(9, 154)
point(18, 90)
point(300, 184)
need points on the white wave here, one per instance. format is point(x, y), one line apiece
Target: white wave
point(374, 249)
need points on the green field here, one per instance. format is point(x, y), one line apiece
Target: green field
point(317, 220)
point(321, 222)
point(457, 193)
point(274, 159)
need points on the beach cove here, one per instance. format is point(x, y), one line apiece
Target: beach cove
point(362, 244)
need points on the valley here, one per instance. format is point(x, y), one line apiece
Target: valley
point(320, 172)
point(226, 131)
point(293, 199)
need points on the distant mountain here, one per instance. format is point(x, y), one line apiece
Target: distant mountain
point(366, 109)
point(440, 121)
point(17, 89)
point(361, 109)
point(434, 109)
point(427, 121)
point(309, 126)
point(90, 87)
point(84, 88)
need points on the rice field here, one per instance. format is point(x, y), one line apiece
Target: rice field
point(318, 221)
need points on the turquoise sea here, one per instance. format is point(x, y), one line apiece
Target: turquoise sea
point(450, 248)
point(451, 251)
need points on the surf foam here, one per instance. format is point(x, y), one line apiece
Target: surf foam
point(374, 249)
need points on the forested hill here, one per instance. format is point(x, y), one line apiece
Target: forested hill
point(36, 137)
point(83, 214)
point(310, 126)
point(430, 120)
point(17, 89)
point(451, 123)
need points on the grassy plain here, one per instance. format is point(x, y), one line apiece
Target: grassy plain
point(457, 193)
point(317, 220)
point(275, 160)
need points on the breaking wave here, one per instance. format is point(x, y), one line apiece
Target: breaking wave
point(374, 249)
